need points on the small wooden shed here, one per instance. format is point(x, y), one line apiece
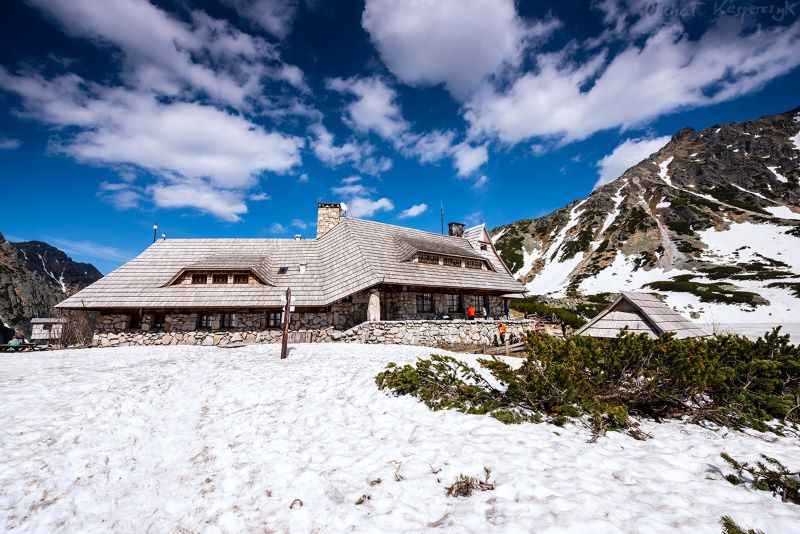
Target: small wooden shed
point(47, 328)
point(641, 313)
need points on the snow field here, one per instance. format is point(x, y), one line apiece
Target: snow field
point(203, 439)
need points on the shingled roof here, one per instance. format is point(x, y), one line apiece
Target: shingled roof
point(641, 313)
point(353, 256)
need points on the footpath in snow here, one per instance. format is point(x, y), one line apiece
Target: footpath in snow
point(203, 439)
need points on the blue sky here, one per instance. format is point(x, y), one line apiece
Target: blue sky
point(233, 118)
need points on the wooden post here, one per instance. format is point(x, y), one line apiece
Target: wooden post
point(506, 344)
point(285, 340)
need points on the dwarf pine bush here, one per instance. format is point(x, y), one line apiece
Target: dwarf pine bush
point(728, 380)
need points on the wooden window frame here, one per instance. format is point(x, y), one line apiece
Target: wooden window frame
point(275, 319)
point(424, 302)
point(204, 320)
point(196, 278)
point(428, 259)
point(228, 320)
point(459, 307)
point(473, 264)
point(241, 278)
point(480, 303)
point(219, 278)
point(449, 261)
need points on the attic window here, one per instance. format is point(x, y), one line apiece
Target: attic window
point(283, 270)
point(199, 278)
point(451, 262)
point(219, 279)
point(428, 258)
point(484, 246)
point(473, 264)
point(240, 278)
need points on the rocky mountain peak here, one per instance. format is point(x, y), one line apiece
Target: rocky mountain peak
point(675, 214)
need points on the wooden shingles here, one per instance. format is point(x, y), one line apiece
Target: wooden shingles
point(354, 255)
point(640, 313)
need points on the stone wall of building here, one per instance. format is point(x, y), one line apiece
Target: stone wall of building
point(431, 333)
point(425, 333)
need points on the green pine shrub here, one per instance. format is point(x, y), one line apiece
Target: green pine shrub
point(729, 526)
point(608, 383)
point(768, 474)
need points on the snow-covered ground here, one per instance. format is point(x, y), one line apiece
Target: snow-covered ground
point(204, 439)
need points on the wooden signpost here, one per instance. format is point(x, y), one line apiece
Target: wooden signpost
point(285, 340)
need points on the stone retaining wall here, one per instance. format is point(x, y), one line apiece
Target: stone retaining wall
point(427, 333)
point(201, 337)
point(431, 333)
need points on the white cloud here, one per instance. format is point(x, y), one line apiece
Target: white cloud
point(164, 54)
point(180, 142)
point(366, 207)
point(469, 158)
point(669, 71)
point(9, 144)
point(480, 182)
point(357, 154)
point(89, 249)
point(299, 223)
point(303, 178)
point(433, 146)
point(375, 108)
point(225, 205)
point(351, 190)
point(625, 156)
point(258, 197)
point(274, 16)
point(277, 228)
point(413, 211)
point(455, 42)
point(358, 197)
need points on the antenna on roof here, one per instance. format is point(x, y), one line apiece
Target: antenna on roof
point(441, 214)
point(155, 229)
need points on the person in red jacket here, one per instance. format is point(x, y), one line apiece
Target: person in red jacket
point(471, 313)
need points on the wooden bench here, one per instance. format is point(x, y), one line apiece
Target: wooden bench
point(19, 348)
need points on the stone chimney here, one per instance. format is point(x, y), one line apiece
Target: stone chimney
point(455, 229)
point(328, 215)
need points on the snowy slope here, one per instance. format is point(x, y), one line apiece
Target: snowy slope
point(203, 439)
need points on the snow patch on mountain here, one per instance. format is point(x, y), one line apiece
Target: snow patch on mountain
point(554, 278)
point(662, 170)
point(783, 212)
point(745, 242)
point(779, 176)
point(623, 275)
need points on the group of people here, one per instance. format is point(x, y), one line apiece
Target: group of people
point(502, 329)
point(484, 312)
point(18, 339)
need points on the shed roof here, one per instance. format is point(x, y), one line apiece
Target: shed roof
point(640, 313)
point(354, 255)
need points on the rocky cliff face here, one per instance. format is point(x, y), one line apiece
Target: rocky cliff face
point(713, 218)
point(35, 276)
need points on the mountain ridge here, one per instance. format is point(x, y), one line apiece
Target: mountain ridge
point(34, 276)
point(668, 221)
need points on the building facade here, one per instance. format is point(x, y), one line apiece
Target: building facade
point(193, 290)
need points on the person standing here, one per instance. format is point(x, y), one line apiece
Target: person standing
point(485, 313)
point(502, 331)
point(471, 313)
point(505, 311)
point(564, 328)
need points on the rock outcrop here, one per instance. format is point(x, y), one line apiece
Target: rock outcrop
point(35, 276)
